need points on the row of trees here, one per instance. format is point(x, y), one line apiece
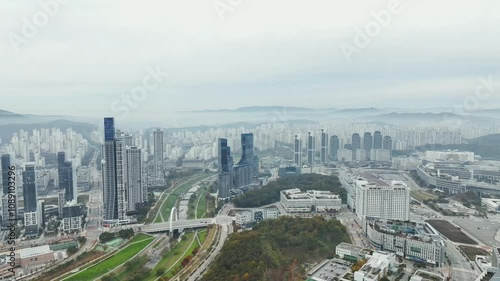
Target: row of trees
point(276, 249)
point(124, 234)
point(271, 193)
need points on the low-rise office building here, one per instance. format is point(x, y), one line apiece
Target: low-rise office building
point(252, 216)
point(351, 253)
point(414, 241)
point(377, 267)
point(297, 201)
point(36, 256)
point(72, 218)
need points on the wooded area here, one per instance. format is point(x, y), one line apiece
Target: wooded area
point(277, 249)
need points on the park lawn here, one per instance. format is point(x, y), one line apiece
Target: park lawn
point(202, 206)
point(172, 256)
point(202, 235)
point(423, 195)
point(134, 266)
point(188, 253)
point(139, 237)
point(114, 261)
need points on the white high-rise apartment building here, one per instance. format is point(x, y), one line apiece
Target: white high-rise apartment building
point(381, 200)
point(135, 191)
point(158, 152)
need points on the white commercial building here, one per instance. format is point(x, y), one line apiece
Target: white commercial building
point(256, 215)
point(414, 241)
point(377, 267)
point(296, 201)
point(351, 253)
point(382, 200)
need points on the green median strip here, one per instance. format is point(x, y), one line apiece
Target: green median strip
point(137, 244)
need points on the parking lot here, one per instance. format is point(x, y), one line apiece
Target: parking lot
point(330, 271)
point(484, 230)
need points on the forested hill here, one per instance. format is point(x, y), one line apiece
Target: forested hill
point(277, 249)
point(271, 193)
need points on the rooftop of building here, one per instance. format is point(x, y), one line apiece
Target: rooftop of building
point(377, 263)
point(298, 194)
point(330, 269)
point(380, 183)
point(407, 229)
point(350, 247)
point(35, 251)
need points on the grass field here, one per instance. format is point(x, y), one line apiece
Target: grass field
point(175, 268)
point(172, 256)
point(472, 252)
point(202, 235)
point(202, 206)
point(174, 195)
point(451, 232)
point(423, 195)
point(134, 246)
point(129, 269)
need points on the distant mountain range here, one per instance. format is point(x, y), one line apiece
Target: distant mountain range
point(252, 116)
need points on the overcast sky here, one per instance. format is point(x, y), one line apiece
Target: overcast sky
point(263, 52)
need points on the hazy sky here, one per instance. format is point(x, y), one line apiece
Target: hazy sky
point(91, 53)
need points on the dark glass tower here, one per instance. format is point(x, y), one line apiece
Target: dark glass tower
point(29, 188)
point(225, 168)
point(110, 192)
point(5, 172)
point(310, 149)
point(297, 160)
point(223, 155)
point(247, 149)
point(65, 174)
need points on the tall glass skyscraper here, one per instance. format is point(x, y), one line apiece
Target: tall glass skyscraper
point(66, 177)
point(110, 193)
point(247, 149)
point(324, 147)
point(225, 168)
point(158, 152)
point(29, 188)
point(5, 172)
point(297, 151)
point(311, 153)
